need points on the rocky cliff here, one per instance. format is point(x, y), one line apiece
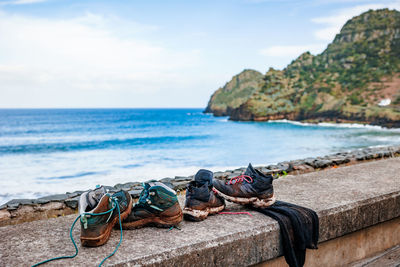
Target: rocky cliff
point(234, 93)
point(356, 78)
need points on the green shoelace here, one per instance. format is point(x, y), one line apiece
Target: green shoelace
point(115, 201)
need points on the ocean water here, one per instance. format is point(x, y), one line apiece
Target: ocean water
point(48, 151)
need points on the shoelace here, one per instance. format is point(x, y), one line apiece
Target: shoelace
point(240, 179)
point(115, 201)
point(144, 194)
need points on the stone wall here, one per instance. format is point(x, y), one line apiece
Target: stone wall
point(358, 208)
point(25, 210)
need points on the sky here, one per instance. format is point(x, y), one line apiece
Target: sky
point(133, 54)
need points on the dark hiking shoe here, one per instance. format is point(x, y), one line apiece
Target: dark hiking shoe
point(157, 206)
point(252, 187)
point(201, 201)
point(96, 229)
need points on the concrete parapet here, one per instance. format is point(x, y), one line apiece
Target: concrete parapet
point(347, 200)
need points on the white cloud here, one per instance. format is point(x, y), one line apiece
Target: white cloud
point(323, 2)
point(291, 50)
point(47, 62)
point(334, 23)
point(22, 2)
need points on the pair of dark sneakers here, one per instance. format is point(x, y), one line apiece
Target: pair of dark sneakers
point(205, 195)
point(157, 205)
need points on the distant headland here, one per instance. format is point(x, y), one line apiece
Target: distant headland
point(355, 79)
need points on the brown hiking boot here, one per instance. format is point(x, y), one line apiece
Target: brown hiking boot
point(201, 201)
point(253, 187)
point(157, 206)
point(96, 229)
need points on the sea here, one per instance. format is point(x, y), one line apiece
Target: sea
point(51, 151)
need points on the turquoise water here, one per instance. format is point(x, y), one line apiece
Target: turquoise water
point(47, 151)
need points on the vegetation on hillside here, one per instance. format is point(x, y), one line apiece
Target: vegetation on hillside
point(235, 92)
point(346, 81)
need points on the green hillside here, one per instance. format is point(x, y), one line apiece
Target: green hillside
point(347, 82)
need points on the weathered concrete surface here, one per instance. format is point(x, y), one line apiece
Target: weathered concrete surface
point(346, 199)
point(348, 249)
point(388, 258)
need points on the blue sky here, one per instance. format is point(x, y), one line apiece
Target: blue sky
point(88, 53)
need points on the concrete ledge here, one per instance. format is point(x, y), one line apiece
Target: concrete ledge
point(346, 199)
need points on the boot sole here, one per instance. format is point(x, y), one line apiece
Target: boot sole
point(255, 201)
point(161, 222)
point(103, 238)
point(199, 215)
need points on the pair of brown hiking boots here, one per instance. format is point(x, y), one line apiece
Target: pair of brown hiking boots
point(157, 205)
point(100, 211)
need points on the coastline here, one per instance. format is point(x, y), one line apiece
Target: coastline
point(24, 210)
point(233, 115)
point(349, 124)
point(388, 124)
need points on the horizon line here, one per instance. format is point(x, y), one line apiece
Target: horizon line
point(101, 108)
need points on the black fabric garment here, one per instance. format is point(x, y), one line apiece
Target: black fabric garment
point(299, 229)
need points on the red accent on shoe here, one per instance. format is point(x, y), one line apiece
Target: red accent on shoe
point(240, 179)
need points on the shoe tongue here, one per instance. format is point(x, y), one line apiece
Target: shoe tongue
point(250, 170)
point(147, 185)
point(204, 176)
point(94, 196)
point(157, 183)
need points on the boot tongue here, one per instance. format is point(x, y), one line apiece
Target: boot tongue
point(149, 184)
point(157, 183)
point(204, 176)
point(94, 196)
point(146, 191)
point(250, 170)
